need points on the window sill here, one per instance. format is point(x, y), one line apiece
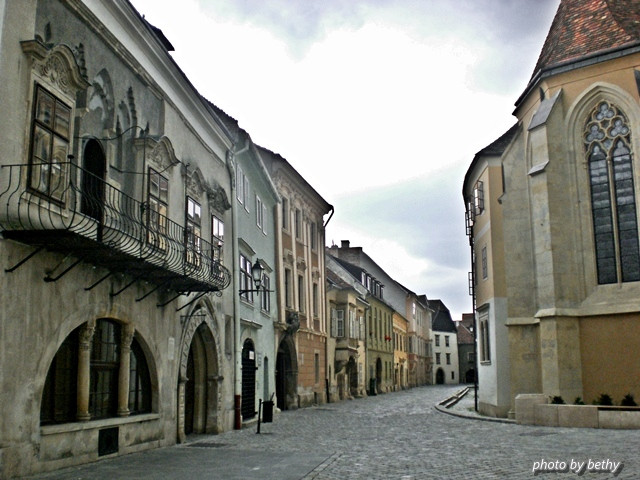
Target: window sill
point(96, 424)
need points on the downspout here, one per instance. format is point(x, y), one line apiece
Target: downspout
point(237, 353)
point(324, 304)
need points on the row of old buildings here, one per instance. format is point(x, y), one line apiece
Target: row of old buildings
point(552, 220)
point(162, 274)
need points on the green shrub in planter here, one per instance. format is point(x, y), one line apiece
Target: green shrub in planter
point(578, 401)
point(628, 401)
point(604, 399)
point(557, 400)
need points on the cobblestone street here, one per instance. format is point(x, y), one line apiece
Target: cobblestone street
point(393, 436)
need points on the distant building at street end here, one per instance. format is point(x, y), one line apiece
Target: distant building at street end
point(466, 348)
point(444, 338)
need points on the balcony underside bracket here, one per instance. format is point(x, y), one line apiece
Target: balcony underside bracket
point(194, 300)
point(151, 291)
point(159, 305)
point(135, 279)
point(49, 278)
point(91, 287)
point(24, 260)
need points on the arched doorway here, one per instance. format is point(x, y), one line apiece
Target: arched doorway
point(92, 183)
point(439, 376)
point(470, 376)
point(196, 386)
point(286, 374)
point(248, 380)
point(352, 372)
point(198, 382)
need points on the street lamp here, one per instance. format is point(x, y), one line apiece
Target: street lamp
point(256, 273)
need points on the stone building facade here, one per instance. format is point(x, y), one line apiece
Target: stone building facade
point(117, 319)
point(553, 218)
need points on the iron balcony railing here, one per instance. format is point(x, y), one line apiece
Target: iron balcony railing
point(62, 207)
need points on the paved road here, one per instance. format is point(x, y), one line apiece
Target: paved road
point(394, 436)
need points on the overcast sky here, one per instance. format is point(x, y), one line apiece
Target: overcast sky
point(379, 104)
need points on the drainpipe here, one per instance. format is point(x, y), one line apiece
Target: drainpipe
point(237, 353)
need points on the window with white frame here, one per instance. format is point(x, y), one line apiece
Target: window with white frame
point(437, 340)
point(298, 223)
point(313, 233)
point(301, 293)
point(157, 206)
point(485, 269)
point(288, 288)
point(193, 232)
point(285, 213)
point(246, 280)
point(485, 347)
point(339, 323)
point(242, 187)
point(217, 234)
point(446, 340)
point(259, 213)
point(265, 298)
point(478, 197)
point(315, 299)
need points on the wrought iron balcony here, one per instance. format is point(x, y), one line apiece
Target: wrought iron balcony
point(63, 208)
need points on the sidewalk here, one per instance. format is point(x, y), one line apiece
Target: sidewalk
point(465, 407)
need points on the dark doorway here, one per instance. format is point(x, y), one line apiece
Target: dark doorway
point(189, 395)
point(470, 376)
point(248, 380)
point(439, 376)
point(379, 375)
point(286, 375)
point(92, 183)
point(352, 372)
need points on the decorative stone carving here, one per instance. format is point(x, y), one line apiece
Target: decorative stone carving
point(293, 322)
point(218, 199)
point(57, 65)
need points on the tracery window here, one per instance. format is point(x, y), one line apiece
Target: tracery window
point(607, 140)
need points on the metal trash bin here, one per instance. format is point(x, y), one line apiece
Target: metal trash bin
point(267, 411)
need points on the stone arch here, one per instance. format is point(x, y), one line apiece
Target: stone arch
point(102, 99)
point(201, 332)
point(88, 317)
point(287, 374)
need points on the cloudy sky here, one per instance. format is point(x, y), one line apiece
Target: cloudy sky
point(379, 104)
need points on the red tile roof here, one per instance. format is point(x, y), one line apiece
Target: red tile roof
point(582, 28)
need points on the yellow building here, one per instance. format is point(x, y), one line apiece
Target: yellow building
point(400, 363)
point(553, 219)
point(346, 354)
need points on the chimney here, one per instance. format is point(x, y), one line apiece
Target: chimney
point(345, 244)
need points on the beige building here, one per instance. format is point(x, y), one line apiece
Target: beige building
point(301, 329)
point(553, 218)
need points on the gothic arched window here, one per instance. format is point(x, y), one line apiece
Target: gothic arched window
point(607, 140)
